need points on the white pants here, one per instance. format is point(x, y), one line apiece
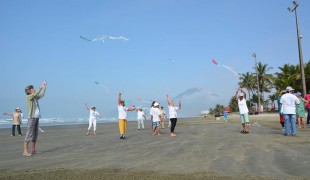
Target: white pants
point(92, 122)
point(140, 124)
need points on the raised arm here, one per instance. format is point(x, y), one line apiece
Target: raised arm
point(168, 100)
point(86, 106)
point(236, 95)
point(42, 90)
point(119, 98)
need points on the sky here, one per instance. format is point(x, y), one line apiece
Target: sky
point(170, 50)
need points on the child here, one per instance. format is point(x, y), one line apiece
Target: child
point(225, 113)
point(92, 119)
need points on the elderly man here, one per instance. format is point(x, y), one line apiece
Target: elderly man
point(289, 102)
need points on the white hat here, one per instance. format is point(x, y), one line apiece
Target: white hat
point(240, 94)
point(156, 104)
point(289, 88)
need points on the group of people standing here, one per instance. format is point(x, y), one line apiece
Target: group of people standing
point(156, 113)
point(291, 108)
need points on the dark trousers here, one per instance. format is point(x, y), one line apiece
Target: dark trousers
point(18, 129)
point(308, 117)
point(173, 124)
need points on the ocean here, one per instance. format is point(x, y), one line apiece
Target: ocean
point(7, 123)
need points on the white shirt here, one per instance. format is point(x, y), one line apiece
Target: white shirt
point(141, 114)
point(173, 111)
point(243, 108)
point(122, 114)
point(155, 112)
point(289, 102)
point(37, 112)
point(93, 114)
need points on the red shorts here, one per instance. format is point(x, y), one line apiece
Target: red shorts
point(281, 118)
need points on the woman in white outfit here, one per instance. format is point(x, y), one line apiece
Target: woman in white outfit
point(92, 119)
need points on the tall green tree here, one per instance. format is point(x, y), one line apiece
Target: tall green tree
point(264, 78)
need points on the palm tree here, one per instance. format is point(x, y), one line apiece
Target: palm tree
point(265, 80)
point(289, 76)
point(248, 82)
point(273, 98)
point(233, 104)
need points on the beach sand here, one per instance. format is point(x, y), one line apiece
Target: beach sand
point(204, 148)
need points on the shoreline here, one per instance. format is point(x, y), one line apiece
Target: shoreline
point(203, 148)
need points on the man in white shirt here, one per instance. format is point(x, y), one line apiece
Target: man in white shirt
point(243, 110)
point(289, 102)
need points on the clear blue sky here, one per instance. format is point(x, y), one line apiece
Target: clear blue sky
point(40, 41)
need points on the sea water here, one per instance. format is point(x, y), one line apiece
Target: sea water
point(7, 123)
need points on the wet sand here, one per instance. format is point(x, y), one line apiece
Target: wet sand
point(204, 148)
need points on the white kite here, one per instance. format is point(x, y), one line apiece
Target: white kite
point(229, 68)
point(104, 37)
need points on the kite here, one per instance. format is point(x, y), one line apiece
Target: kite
point(128, 103)
point(227, 67)
point(102, 86)
point(104, 37)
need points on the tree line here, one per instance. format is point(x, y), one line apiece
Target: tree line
point(288, 75)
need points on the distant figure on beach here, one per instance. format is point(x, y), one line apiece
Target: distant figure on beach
point(243, 110)
point(163, 113)
point(282, 122)
point(173, 114)
point(17, 120)
point(156, 114)
point(122, 116)
point(34, 113)
point(225, 114)
point(93, 114)
point(289, 102)
point(141, 117)
point(151, 111)
point(300, 110)
point(307, 97)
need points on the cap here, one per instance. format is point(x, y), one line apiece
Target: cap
point(17, 108)
point(289, 88)
point(240, 94)
point(298, 94)
point(156, 104)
